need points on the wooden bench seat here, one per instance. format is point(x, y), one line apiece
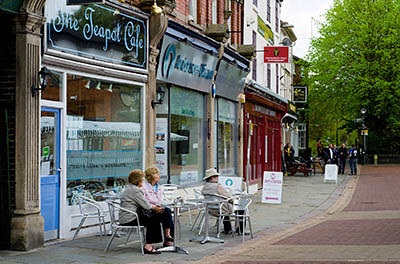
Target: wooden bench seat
point(299, 168)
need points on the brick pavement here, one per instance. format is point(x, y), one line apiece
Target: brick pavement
point(363, 227)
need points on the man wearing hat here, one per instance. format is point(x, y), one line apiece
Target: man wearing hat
point(211, 186)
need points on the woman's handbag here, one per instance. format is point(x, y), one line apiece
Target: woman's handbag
point(144, 213)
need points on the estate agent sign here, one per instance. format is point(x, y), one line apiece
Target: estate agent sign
point(97, 31)
point(272, 187)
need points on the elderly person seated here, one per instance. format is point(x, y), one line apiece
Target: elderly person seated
point(212, 187)
point(154, 196)
point(150, 216)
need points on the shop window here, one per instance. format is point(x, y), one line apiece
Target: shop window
point(187, 137)
point(302, 136)
point(226, 137)
point(52, 91)
point(104, 139)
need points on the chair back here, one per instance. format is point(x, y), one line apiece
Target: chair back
point(170, 193)
point(83, 200)
point(241, 203)
point(112, 211)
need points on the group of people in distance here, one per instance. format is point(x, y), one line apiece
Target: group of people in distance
point(332, 155)
point(145, 197)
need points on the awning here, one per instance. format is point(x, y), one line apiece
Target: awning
point(288, 118)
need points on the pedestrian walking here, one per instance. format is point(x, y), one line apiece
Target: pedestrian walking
point(342, 154)
point(353, 154)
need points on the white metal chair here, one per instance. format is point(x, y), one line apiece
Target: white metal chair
point(89, 208)
point(171, 193)
point(215, 209)
point(200, 206)
point(116, 226)
point(241, 214)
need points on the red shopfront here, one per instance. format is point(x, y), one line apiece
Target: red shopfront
point(265, 113)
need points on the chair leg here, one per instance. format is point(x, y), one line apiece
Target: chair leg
point(141, 236)
point(79, 227)
point(190, 216)
point(195, 220)
point(202, 224)
point(111, 239)
point(128, 236)
point(251, 230)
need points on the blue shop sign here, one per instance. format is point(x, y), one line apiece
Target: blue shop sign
point(97, 31)
point(12, 6)
point(184, 65)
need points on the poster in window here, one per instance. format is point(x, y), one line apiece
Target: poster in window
point(161, 146)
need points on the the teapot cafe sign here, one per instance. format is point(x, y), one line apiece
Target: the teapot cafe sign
point(122, 41)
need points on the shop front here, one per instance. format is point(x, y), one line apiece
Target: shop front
point(231, 77)
point(262, 133)
point(92, 108)
point(186, 69)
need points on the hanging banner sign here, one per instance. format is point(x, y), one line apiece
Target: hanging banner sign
point(97, 32)
point(272, 187)
point(300, 94)
point(276, 54)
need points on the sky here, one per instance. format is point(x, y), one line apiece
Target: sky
point(301, 13)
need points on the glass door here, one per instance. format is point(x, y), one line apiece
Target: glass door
point(50, 171)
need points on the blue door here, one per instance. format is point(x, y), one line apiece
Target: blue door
point(50, 171)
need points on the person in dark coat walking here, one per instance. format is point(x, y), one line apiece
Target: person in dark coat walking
point(342, 158)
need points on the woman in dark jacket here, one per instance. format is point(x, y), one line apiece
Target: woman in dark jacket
point(133, 199)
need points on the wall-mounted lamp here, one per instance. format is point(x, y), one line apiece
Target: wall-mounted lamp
point(44, 75)
point(160, 96)
point(98, 86)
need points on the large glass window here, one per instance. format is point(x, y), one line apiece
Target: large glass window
point(103, 133)
point(226, 137)
point(187, 137)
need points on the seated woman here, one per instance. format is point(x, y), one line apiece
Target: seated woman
point(154, 196)
point(133, 199)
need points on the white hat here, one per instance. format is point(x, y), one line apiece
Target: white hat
point(210, 172)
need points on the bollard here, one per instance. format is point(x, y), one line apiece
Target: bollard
point(376, 159)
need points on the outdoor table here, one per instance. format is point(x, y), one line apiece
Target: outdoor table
point(175, 247)
point(206, 238)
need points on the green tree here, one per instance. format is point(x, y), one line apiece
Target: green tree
point(354, 65)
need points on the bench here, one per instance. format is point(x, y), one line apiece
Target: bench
point(299, 168)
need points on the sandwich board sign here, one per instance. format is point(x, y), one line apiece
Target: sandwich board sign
point(233, 183)
point(272, 187)
point(331, 173)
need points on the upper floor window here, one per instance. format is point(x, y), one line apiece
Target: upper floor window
point(277, 16)
point(193, 10)
point(254, 70)
point(269, 10)
point(214, 12)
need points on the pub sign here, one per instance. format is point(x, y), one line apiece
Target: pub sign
point(300, 94)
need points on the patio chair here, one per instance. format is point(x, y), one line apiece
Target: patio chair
point(116, 227)
point(241, 214)
point(90, 208)
point(171, 193)
point(200, 206)
point(215, 203)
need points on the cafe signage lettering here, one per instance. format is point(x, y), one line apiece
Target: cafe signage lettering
point(100, 32)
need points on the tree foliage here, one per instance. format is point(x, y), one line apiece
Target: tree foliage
point(354, 64)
